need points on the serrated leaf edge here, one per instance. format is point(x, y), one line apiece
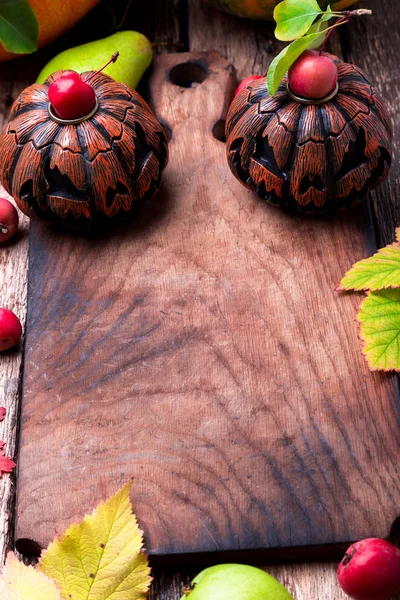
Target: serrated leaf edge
point(339, 287)
point(363, 341)
point(59, 538)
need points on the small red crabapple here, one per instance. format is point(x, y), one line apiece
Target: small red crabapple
point(71, 97)
point(313, 75)
point(246, 82)
point(370, 570)
point(10, 329)
point(8, 220)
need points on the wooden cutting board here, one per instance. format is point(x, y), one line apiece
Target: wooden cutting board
point(204, 352)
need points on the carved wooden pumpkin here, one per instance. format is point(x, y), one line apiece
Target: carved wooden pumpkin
point(310, 157)
point(82, 171)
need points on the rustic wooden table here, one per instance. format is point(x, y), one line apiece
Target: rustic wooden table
point(191, 25)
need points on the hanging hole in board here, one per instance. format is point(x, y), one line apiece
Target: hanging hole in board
point(188, 75)
point(28, 548)
point(218, 131)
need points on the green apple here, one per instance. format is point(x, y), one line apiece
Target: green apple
point(236, 582)
point(135, 56)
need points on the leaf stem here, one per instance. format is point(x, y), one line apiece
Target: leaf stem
point(341, 21)
point(347, 15)
point(359, 12)
point(124, 16)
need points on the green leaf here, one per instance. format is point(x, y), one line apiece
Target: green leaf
point(378, 272)
point(294, 18)
point(316, 28)
point(379, 318)
point(19, 28)
point(101, 558)
point(328, 14)
point(282, 63)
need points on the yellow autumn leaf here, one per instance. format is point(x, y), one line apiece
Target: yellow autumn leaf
point(100, 558)
point(19, 582)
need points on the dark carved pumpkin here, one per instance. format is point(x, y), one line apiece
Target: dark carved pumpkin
point(310, 157)
point(90, 171)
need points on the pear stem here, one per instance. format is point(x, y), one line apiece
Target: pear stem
point(113, 59)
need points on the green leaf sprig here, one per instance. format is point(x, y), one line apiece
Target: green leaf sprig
point(19, 29)
point(379, 314)
point(303, 23)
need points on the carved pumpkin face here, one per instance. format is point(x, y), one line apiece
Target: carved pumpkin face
point(315, 157)
point(98, 169)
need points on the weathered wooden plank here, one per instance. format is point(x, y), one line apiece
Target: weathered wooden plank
point(248, 45)
point(13, 295)
point(162, 22)
point(372, 44)
point(13, 291)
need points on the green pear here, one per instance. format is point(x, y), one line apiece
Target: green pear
point(135, 56)
point(236, 582)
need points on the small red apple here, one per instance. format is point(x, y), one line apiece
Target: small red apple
point(246, 82)
point(313, 75)
point(8, 220)
point(370, 570)
point(10, 329)
point(71, 97)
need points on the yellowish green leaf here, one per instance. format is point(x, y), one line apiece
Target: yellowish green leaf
point(294, 18)
point(378, 272)
point(317, 27)
point(19, 582)
point(101, 558)
point(379, 318)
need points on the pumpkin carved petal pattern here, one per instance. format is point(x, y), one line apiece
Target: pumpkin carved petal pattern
point(92, 171)
point(310, 158)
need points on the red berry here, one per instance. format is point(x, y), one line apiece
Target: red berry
point(246, 82)
point(370, 570)
point(313, 75)
point(71, 97)
point(8, 220)
point(10, 329)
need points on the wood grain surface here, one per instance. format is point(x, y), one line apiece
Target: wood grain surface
point(13, 295)
point(374, 54)
point(209, 357)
